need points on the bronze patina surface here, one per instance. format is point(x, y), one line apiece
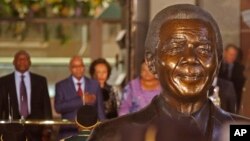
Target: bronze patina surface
point(184, 50)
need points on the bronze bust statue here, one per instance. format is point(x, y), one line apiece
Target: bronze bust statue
point(184, 50)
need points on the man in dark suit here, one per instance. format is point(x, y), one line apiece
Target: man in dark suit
point(233, 71)
point(184, 49)
point(226, 93)
point(25, 95)
point(75, 91)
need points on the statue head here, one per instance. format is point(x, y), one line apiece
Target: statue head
point(184, 49)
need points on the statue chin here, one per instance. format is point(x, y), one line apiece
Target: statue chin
point(189, 93)
point(186, 96)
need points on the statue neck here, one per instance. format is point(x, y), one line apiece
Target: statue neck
point(186, 107)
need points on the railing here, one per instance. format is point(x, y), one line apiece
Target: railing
point(39, 122)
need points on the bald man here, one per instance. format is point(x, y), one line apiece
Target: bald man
point(75, 91)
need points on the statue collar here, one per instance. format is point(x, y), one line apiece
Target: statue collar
point(201, 118)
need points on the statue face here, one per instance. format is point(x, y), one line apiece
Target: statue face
point(186, 58)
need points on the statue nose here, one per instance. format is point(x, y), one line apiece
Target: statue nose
point(189, 55)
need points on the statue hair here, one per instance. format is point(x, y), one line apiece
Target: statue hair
point(175, 12)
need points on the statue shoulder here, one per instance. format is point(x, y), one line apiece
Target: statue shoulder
point(240, 118)
point(108, 130)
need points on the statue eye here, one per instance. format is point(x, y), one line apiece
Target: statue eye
point(174, 48)
point(204, 50)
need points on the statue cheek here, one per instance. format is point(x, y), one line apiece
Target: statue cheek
point(169, 61)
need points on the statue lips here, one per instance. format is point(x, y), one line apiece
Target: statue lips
point(190, 78)
point(189, 73)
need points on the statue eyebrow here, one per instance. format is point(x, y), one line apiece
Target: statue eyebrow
point(175, 38)
point(178, 39)
point(178, 36)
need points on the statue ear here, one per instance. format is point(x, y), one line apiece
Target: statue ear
point(218, 69)
point(151, 62)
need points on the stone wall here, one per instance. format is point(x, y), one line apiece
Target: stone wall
point(157, 5)
point(227, 15)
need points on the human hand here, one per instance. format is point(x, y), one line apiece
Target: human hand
point(89, 99)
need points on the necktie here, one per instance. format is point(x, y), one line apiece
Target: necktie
point(79, 91)
point(23, 99)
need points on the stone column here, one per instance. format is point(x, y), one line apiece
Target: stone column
point(137, 25)
point(95, 39)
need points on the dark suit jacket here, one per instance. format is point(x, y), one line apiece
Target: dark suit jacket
point(67, 102)
point(237, 78)
point(227, 95)
point(40, 101)
point(154, 124)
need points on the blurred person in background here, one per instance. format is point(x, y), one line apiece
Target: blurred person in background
point(139, 92)
point(75, 91)
point(100, 70)
point(224, 90)
point(26, 95)
point(233, 71)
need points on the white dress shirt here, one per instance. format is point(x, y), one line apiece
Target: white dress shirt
point(27, 83)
